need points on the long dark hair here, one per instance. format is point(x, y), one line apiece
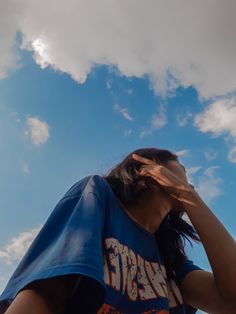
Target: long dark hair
point(125, 182)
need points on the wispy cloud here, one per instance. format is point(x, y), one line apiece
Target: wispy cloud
point(210, 154)
point(182, 119)
point(109, 83)
point(158, 121)
point(127, 132)
point(208, 184)
point(129, 91)
point(183, 152)
point(16, 116)
point(25, 168)
point(124, 111)
point(232, 155)
point(116, 37)
point(193, 170)
point(2, 281)
point(37, 130)
point(13, 251)
point(190, 173)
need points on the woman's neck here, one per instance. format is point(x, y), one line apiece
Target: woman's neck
point(149, 212)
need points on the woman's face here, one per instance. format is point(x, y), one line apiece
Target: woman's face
point(177, 168)
point(174, 166)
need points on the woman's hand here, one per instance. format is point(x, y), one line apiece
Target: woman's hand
point(178, 188)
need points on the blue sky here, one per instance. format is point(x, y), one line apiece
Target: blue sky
point(91, 127)
point(61, 120)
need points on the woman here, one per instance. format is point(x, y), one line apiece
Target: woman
point(115, 244)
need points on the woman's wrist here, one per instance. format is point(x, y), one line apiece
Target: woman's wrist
point(191, 200)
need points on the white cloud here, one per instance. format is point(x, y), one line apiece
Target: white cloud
point(16, 116)
point(158, 120)
point(232, 155)
point(41, 53)
point(182, 152)
point(124, 112)
point(218, 118)
point(38, 131)
point(190, 172)
point(210, 154)
point(11, 13)
point(25, 168)
point(129, 91)
point(13, 251)
point(127, 132)
point(2, 282)
point(193, 170)
point(208, 184)
point(109, 83)
point(182, 119)
point(189, 43)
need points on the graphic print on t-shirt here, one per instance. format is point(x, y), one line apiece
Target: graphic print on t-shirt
point(136, 279)
point(132, 279)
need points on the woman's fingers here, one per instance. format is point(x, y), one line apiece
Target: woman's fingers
point(148, 170)
point(142, 159)
point(164, 177)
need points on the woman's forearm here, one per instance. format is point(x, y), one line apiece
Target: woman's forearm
point(219, 245)
point(29, 302)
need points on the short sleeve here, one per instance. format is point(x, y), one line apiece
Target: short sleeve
point(181, 272)
point(70, 242)
point(184, 269)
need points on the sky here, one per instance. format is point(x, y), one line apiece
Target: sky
point(84, 83)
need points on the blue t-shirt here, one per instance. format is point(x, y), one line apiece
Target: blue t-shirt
point(90, 234)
